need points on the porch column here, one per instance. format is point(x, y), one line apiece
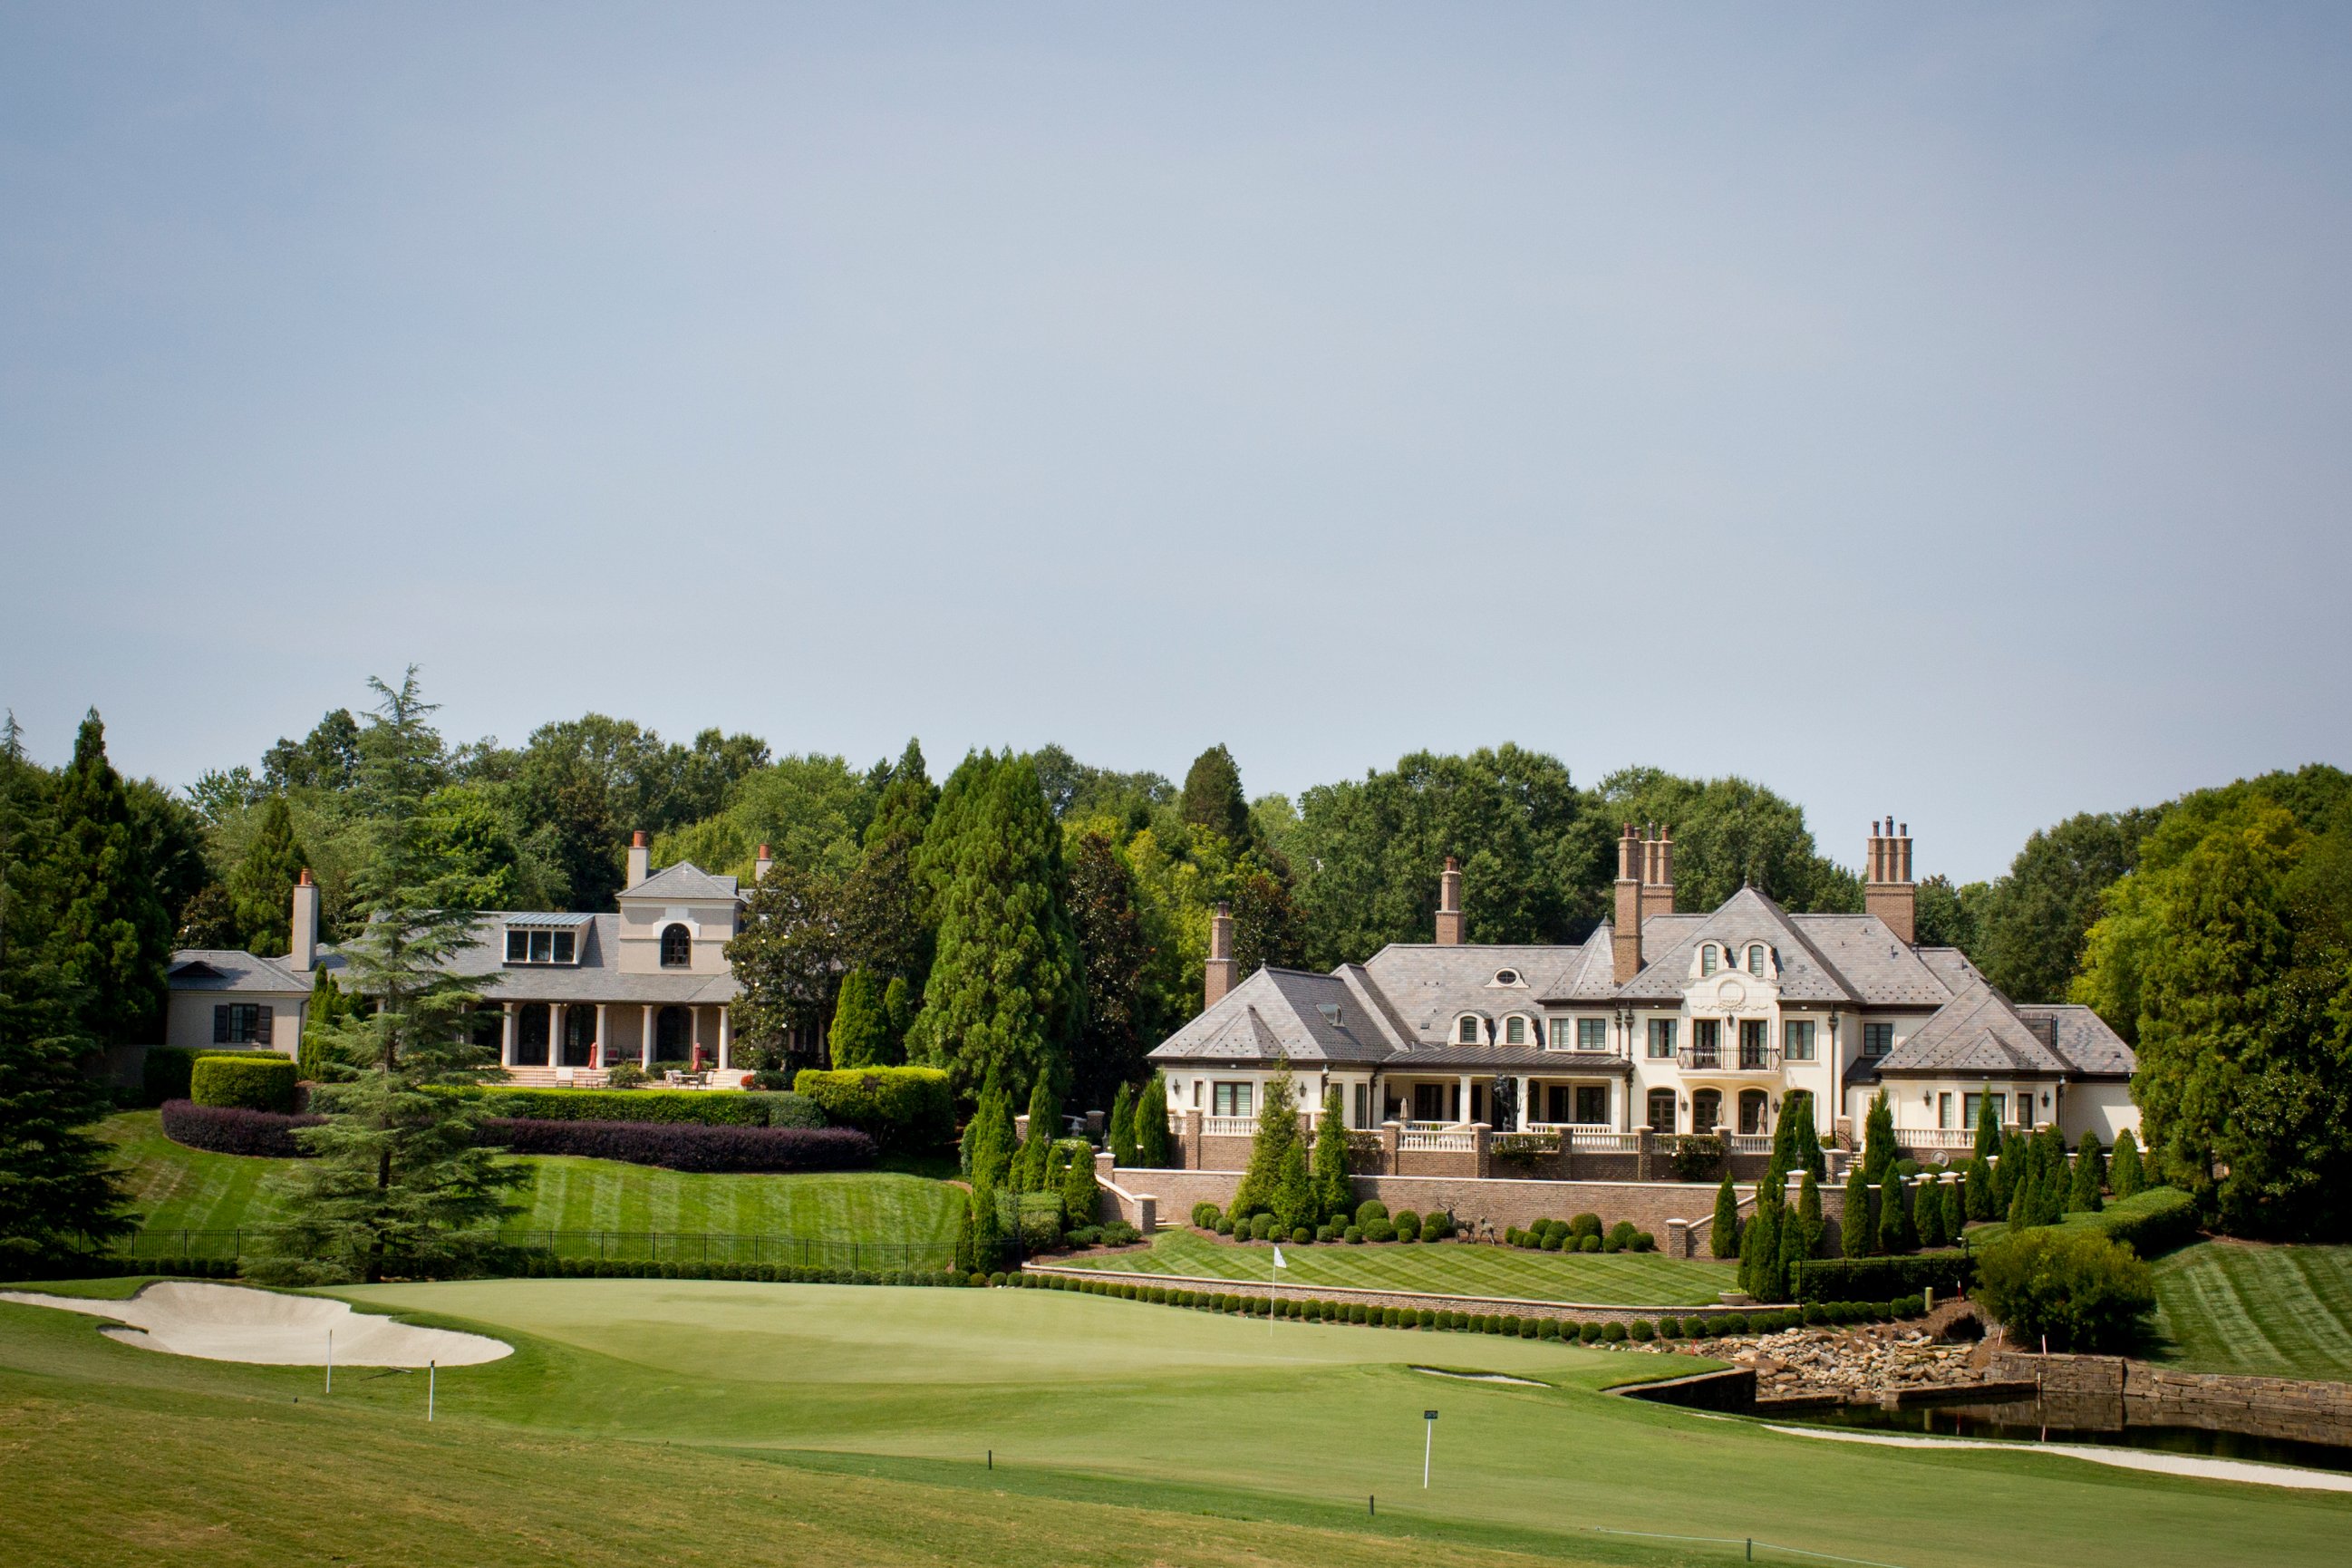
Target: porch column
point(726, 1038)
point(1463, 1118)
point(555, 1034)
point(596, 1057)
point(506, 1035)
point(645, 1055)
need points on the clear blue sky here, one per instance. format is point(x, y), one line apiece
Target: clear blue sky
point(1932, 410)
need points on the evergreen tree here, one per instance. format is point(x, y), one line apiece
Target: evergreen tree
point(1334, 1195)
point(1151, 1147)
point(988, 1136)
point(1122, 1128)
point(1858, 1230)
point(2050, 1175)
point(1005, 985)
point(1117, 950)
point(1878, 1151)
point(1808, 1216)
point(2007, 1172)
point(1294, 1197)
point(988, 1245)
point(2083, 1193)
point(1894, 1219)
point(2124, 1173)
point(860, 1036)
point(1805, 1141)
point(899, 1001)
point(1795, 1247)
point(1981, 1203)
point(331, 1008)
point(1928, 1214)
point(1988, 1131)
point(59, 1188)
point(882, 903)
point(1080, 1202)
point(1045, 1119)
point(111, 936)
point(1213, 797)
point(967, 1258)
point(261, 891)
point(788, 955)
point(2021, 1207)
point(1760, 1251)
point(1278, 1133)
point(1723, 1237)
point(397, 1172)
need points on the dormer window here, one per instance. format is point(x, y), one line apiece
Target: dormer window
point(1330, 1011)
point(676, 948)
point(1514, 1030)
point(1706, 959)
point(1466, 1031)
point(1756, 959)
point(541, 947)
point(1507, 977)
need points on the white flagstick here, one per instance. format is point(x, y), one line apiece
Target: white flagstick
point(331, 1361)
point(1274, 1289)
point(1429, 1443)
point(432, 1376)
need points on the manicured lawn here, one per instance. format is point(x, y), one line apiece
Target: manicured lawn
point(180, 1188)
point(702, 1422)
point(2274, 1311)
point(1458, 1268)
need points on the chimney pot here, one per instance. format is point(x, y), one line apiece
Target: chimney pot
point(640, 860)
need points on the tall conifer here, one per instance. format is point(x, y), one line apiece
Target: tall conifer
point(1278, 1133)
point(2125, 1173)
point(261, 890)
point(1122, 1127)
point(1858, 1230)
point(1151, 1146)
point(860, 1036)
point(2083, 1193)
point(1334, 1196)
point(1722, 1235)
point(1878, 1151)
point(113, 935)
point(1893, 1218)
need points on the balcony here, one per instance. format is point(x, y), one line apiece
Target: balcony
point(1742, 1058)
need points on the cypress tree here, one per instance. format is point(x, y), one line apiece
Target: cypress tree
point(2125, 1173)
point(2050, 1175)
point(2083, 1191)
point(1760, 1251)
point(1723, 1237)
point(1857, 1230)
point(1878, 1139)
point(1805, 1144)
point(1044, 1114)
point(2021, 1207)
point(1294, 1197)
point(261, 890)
point(860, 1036)
point(398, 1172)
point(2010, 1170)
point(1988, 1131)
point(1277, 1134)
point(988, 1240)
point(988, 1136)
point(1808, 1216)
point(111, 936)
point(1981, 1203)
point(1334, 1196)
point(330, 1005)
point(1928, 1214)
point(1796, 1246)
point(967, 1258)
point(1079, 1203)
point(1122, 1127)
point(1153, 1151)
point(1894, 1219)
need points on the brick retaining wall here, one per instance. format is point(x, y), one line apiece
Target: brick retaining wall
point(2151, 1396)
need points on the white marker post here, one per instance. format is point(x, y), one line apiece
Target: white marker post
point(432, 1374)
point(1273, 1288)
point(331, 1361)
point(1429, 1444)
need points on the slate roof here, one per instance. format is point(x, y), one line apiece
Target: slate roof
point(2083, 1039)
point(1431, 986)
point(1277, 1015)
point(684, 881)
point(222, 970)
point(1982, 1031)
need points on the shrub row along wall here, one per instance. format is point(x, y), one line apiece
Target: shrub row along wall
point(81, 1266)
point(229, 1130)
point(705, 1108)
point(898, 1108)
point(1461, 1315)
point(686, 1147)
point(2151, 1223)
point(1868, 1278)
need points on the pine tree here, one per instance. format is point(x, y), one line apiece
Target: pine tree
point(1045, 1119)
point(1151, 1147)
point(882, 903)
point(61, 1189)
point(2125, 1173)
point(1981, 1203)
point(1080, 1202)
point(1858, 1230)
point(1878, 1151)
point(1894, 1219)
point(860, 1036)
point(2083, 1193)
point(1723, 1237)
point(1334, 1195)
point(1004, 989)
point(111, 936)
point(1278, 1133)
point(1116, 946)
point(397, 1172)
point(261, 890)
point(1122, 1127)
point(1213, 797)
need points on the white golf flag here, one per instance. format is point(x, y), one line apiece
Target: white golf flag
point(1280, 1261)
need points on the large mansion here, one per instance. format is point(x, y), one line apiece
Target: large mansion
point(1673, 1021)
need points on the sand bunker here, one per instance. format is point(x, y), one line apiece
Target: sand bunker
point(227, 1322)
point(2247, 1470)
point(1480, 1377)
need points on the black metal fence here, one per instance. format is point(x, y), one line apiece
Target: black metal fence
point(697, 1246)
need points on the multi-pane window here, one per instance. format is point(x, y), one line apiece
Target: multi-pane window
point(676, 948)
point(242, 1024)
point(1706, 959)
point(1592, 1104)
point(1363, 1105)
point(1592, 1033)
point(1466, 1030)
point(1514, 1030)
point(1563, 1034)
point(1999, 1108)
point(1971, 1108)
point(1662, 1111)
point(1877, 1039)
point(1706, 1033)
point(1756, 959)
point(1754, 1039)
point(1943, 1110)
point(541, 946)
point(1235, 1099)
point(1797, 1039)
point(1661, 1038)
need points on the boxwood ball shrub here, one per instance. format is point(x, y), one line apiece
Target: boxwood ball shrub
point(1380, 1230)
point(1408, 1225)
point(1353, 1235)
point(250, 1080)
point(1370, 1210)
point(1589, 1333)
point(1614, 1331)
point(1640, 1328)
point(898, 1108)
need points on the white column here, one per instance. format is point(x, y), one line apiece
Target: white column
point(555, 1034)
point(645, 1055)
point(725, 1039)
point(507, 1037)
point(597, 1058)
point(1463, 1118)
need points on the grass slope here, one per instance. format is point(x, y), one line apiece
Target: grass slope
point(178, 1187)
point(693, 1422)
point(2274, 1311)
point(1625, 1279)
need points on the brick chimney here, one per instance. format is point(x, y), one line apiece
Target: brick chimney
point(641, 860)
point(1220, 974)
point(763, 865)
point(302, 952)
point(1888, 890)
point(1449, 904)
point(1625, 928)
point(1658, 871)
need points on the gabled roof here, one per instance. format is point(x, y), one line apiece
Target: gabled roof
point(1977, 1032)
point(1747, 916)
point(684, 881)
point(223, 969)
point(1591, 975)
point(1277, 1015)
point(2082, 1039)
point(1430, 986)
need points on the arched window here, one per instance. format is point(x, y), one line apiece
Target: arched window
point(1514, 1030)
point(678, 948)
point(1507, 977)
point(1753, 1117)
point(1466, 1031)
point(1706, 959)
point(1756, 959)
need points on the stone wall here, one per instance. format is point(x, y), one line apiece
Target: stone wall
point(2145, 1395)
point(1419, 1301)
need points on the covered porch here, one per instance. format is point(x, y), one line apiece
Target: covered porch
point(592, 1037)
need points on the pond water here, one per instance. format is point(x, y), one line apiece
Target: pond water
point(2035, 1421)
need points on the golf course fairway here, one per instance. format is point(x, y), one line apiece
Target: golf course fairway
point(699, 1421)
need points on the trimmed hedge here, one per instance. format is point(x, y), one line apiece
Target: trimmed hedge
point(2152, 1223)
point(1882, 1278)
point(694, 1107)
point(247, 1081)
point(684, 1146)
point(538, 1265)
point(232, 1129)
point(82, 1266)
point(899, 1108)
point(169, 1069)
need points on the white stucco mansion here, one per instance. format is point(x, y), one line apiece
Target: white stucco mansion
point(1672, 1021)
point(578, 993)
